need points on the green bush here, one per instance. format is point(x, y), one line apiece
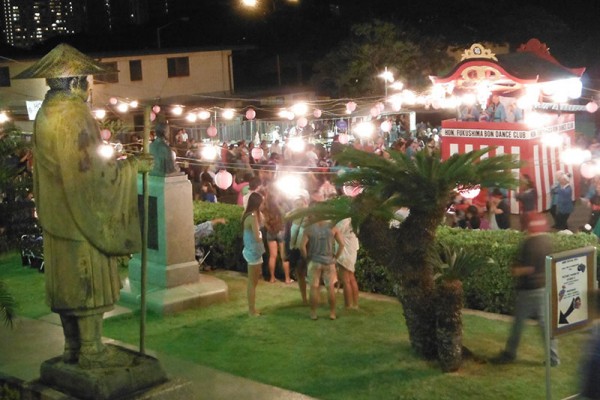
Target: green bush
point(226, 243)
point(489, 288)
point(372, 277)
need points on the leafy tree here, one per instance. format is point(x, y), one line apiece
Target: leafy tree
point(352, 69)
point(424, 185)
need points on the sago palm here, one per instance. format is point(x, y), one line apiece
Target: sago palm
point(424, 185)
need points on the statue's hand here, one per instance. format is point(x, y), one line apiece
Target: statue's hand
point(145, 162)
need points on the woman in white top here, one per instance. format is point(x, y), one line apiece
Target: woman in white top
point(346, 261)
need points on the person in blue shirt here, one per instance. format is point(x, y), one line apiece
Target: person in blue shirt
point(495, 110)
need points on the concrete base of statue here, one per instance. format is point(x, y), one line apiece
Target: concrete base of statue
point(139, 377)
point(173, 280)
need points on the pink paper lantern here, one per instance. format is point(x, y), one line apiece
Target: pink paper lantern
point(113, 101)
point(343, 138)
point(211, 131)
point(105, 134)
point(317, 113)
point(250, 114)
point(591, 107)
point(156, 109)
point(257, 153)
point(223, 179)
point(350, 106)
point(152, 116)
point(302, 122)
point(374, 112)
point(588, 170)
point(386, 126)
point(380, 106)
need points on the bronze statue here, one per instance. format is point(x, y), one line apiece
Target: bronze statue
point(164, 163)
point(86, 204)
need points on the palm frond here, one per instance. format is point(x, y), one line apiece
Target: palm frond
point(458, 264)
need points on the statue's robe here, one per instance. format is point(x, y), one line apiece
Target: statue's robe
point(86, 205)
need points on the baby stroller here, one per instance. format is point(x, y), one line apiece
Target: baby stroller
point(32, 251)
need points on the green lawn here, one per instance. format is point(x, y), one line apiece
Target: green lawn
point(364, 354)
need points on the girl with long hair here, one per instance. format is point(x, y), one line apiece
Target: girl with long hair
point(253, 247)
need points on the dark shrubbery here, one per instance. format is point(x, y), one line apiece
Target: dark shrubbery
point(226, 243)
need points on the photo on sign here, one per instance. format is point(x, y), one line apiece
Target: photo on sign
point(572, 288)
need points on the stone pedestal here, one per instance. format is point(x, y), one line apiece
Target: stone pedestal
point(138, 374)
point(174, 282)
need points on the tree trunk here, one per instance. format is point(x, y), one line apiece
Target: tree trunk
point(404, 252)
point(448, 313)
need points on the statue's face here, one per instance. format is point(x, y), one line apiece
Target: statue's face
point(79, 86)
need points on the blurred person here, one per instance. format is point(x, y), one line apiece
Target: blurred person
point(254, 248)
point(529, 273)
point(495, 110)
point(275, 231)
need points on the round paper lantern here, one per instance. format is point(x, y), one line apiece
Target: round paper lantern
point(156, 109)
point(223, 179)
point(317, 113)
point(302, 122)
point(386, 126)
point(257, 153)
point(352, 190)
point(374, 112)
point(211, 131)
point(343, 138)
point(350, 106)
point(591, 107)
point(105, 134)
point(380, 106)
point(250, 114)
point(113, 100)
point(588, 170)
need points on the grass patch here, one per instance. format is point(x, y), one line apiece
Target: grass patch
point(364, 354)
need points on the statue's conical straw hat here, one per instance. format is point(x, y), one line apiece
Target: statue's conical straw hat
point(64, 61)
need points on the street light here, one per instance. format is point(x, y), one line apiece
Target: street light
point(387, 76)
point(256, 3)
point(160, 28)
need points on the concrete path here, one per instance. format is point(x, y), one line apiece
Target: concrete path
point(30, 342)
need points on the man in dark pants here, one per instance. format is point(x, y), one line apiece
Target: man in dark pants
point(529, 273)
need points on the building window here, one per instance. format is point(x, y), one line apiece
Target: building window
point(178, 66)
point(112, 77)
point(4, 77)
point(135, 70)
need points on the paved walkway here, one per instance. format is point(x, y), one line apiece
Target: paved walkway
point(30, 342)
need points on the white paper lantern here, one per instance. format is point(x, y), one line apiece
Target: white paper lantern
point(302, 122)
point(591, 107)
point(223, 179)
point(105, 134)
point(386, 126)
point(250, 114)
point(343, 138)
point(350, 106)
point(156, 109)
point(257, 153)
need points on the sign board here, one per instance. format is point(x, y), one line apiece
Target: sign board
point(572, 281)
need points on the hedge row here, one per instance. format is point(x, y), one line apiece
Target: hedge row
point(490, 288)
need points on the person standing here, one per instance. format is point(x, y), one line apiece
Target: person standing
point(530, 280)
point(254, 248)
point(564, 201)
point(275, 230)
point(528, 199)
point(87, 206)
point(317, 247)
point(500, 209)
point(347, 261)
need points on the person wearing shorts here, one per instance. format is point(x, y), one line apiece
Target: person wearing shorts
point(317, 247)
point(254, 248)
